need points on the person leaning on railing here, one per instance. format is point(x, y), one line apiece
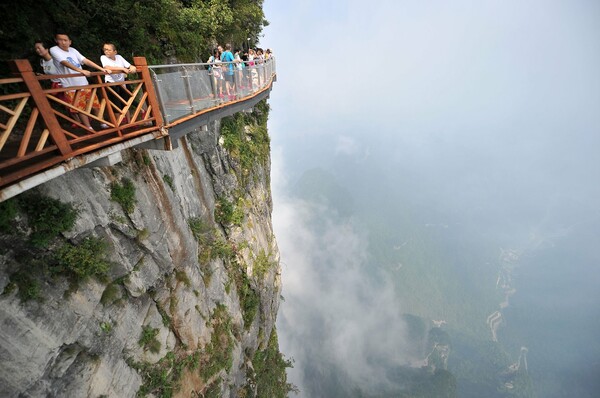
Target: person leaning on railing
point(119, 67)
point(216, 71)
point(68, 60)
point(47, 64)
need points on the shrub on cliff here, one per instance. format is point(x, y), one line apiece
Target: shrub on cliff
point(84, 260)
point(124, 194)
point(47, 217)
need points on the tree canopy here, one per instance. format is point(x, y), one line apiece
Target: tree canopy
point(160, 30)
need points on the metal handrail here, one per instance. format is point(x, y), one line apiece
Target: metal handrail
point(187, 89)
point(255, 61)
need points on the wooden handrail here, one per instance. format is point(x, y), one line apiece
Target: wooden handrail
point(36, 123)
point(38, 129)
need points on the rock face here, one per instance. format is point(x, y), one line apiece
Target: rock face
point(192, 290)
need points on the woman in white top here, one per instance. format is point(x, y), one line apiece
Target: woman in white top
point(216, 71)
point(46, 62)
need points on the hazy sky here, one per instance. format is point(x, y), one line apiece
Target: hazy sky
point(486, 103)
point(479, 72)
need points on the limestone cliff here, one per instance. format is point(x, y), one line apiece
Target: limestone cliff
point(167, 283)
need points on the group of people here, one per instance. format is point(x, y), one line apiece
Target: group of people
point(227, 68)
point(62, 59)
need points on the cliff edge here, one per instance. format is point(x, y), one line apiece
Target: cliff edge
point(158, 276)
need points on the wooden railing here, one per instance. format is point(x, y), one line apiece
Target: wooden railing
point(38, 129)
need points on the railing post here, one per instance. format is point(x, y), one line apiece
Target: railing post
point(259, 74)
point(214, 83)
point(188, 88)
point(156, 82)
point(23, 67)
point(237, 82)
point(142, 67)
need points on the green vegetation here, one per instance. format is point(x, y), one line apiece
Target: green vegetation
point(211, 244)
point(183, 29)
point(29, 286)
point(227, 213)
point(249, 299)
point(46, 216)
point(111, 294)
point(8, 211)
point(124, 194)
point(106, 327)
point(166, 319)
point(181, 276)
point(270, 371)
point(84, 260)
point(218, 353)
point(117, 217)
point(207, 273)
point(262, 264)
point(214, 390)
point(142, 235)
point(162, 378)
point(148, 339)
point(220, 248)
point(169, 181)
point(246, 138)
point(198, 227)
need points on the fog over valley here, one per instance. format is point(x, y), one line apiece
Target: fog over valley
point(435, 180)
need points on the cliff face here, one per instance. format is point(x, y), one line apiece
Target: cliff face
point(167, 283)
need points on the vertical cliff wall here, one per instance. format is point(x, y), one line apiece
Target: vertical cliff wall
point(167, 282)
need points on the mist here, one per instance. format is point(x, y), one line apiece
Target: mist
point(337, 310)
point(443, 136)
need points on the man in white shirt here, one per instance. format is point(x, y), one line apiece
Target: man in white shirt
point(67, 61)
point(120, 67)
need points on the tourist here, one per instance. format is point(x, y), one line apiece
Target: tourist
point(227, 57)
point(68, 60)
point(215, 70)
point(119, 67)
point(48, 67)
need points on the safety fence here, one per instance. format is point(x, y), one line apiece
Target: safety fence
point(186, 89)
point(39, 128)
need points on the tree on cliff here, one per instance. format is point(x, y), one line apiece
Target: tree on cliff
point(157, 29)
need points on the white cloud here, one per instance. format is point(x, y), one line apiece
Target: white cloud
point(335, 308)
point(346, 145)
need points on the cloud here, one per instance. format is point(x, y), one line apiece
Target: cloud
point(336, 309)
point(484, 113)
point(346, 145)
